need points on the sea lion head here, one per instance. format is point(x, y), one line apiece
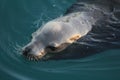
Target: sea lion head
point(53, 37)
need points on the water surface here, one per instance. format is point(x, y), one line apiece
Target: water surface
point(19, 19)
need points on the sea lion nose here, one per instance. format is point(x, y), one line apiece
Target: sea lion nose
point(26, 51)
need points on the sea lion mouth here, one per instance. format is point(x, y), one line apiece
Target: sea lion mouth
point(32, 57)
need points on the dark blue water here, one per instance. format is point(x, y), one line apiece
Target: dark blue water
point(19, 19)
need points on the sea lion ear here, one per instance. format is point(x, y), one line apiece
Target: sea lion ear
point(73, 38)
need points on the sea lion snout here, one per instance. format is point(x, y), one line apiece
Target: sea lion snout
point(33, 53)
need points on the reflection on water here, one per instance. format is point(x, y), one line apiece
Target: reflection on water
point(18, 20)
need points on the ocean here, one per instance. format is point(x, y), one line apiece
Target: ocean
point(19, 19)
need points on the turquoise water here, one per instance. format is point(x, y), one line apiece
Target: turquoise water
point(19, 19)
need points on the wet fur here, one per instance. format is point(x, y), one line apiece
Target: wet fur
point(91, 26)
point(105, 34)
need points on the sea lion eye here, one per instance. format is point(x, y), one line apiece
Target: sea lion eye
point(51, 48)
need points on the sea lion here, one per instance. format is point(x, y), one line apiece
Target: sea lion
point(87, 27)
